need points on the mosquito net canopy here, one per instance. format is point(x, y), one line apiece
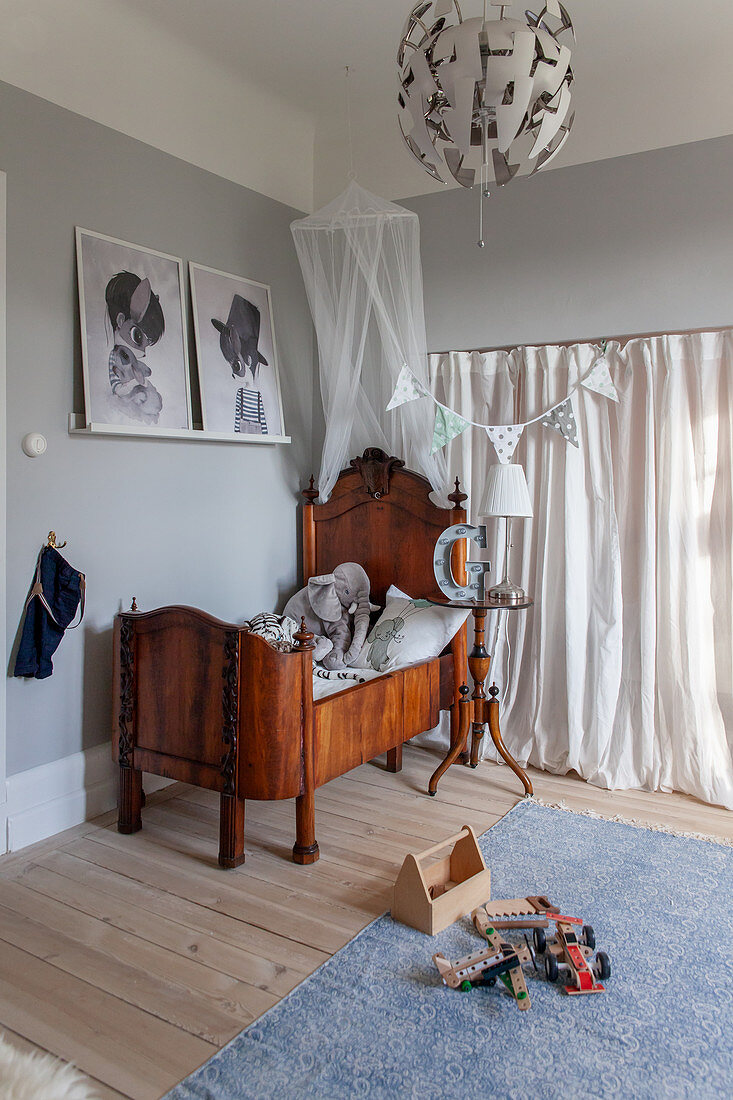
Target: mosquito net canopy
point(360, 258)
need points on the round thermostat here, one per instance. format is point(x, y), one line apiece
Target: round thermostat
point(34, 444)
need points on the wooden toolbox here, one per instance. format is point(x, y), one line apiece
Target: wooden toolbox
point(431, 893)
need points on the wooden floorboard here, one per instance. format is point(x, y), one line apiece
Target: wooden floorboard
point(136, 957)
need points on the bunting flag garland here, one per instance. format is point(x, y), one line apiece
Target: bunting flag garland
point(562, 420)
point(599, 380)
point(505, 438)
point(447, 426)
point(407, 389)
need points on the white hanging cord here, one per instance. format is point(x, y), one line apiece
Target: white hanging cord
point(483, 191)
point(483, 186)
point(351, 173)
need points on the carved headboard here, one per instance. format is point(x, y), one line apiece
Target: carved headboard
point(380, 515)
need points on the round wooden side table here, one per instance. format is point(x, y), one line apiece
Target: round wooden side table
point(478, 710)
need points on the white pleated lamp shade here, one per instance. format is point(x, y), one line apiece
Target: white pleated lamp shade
point(506, 492)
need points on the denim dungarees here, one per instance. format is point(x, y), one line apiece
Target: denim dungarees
point(52, 603)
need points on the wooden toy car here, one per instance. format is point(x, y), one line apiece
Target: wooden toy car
point(499, 960)
point(567, 950)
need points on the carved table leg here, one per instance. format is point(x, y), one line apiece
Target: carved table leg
point(305, 849)
point(478, 663)
point(394, 759)
point(500, 746)
point(231, 831)
point(457, 749)
point(129, 819)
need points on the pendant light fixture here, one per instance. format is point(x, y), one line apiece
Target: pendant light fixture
point(484, 99)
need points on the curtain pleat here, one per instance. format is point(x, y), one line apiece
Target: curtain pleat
point(623, 669)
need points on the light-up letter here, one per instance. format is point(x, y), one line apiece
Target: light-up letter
point(476, 570)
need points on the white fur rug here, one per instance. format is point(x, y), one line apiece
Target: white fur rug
point(40, 1077)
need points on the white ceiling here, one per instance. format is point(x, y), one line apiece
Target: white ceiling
point(250, 88)
point(649, 73)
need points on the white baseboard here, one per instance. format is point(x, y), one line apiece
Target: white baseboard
point(46, 800)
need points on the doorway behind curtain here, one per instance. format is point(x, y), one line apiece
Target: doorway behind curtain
point(623, 669)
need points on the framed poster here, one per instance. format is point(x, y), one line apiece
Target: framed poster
point(237, 358)
point(133, 334)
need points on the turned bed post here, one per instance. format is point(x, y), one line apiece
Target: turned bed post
point(309, 532)
point(305, 849)
point(394, 759)
point(231, 831)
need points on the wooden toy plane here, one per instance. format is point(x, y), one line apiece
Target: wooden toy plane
point(499, 960)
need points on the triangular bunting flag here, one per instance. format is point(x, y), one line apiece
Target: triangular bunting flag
point(505, 438)
point(562, 420)
point(407, 389)
point(599, 380)
point(447, 426)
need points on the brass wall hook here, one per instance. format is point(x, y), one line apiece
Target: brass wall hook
point(52, 541)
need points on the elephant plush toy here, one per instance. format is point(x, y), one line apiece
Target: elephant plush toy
point(336, 608)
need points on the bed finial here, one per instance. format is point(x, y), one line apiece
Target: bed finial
point(375, 467)
point(303, 637)
point(310, 493)
point(457, 497)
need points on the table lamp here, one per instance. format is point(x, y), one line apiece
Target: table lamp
point(506, 495)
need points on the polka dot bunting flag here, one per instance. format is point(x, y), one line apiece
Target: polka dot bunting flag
point(599, 380)
point(447, 426)
point(505, 438)
point(408, 388)
point(562, 420)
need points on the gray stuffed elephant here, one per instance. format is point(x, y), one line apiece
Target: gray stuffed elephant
point(336, 608)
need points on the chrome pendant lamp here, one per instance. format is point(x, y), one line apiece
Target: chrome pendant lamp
point(484, 99)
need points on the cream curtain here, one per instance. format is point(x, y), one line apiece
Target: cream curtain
point(623, 670)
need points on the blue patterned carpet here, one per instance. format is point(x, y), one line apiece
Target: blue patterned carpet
point(375, 1021)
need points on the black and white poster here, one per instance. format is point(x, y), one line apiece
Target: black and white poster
point(133, 334)
point(237, 358)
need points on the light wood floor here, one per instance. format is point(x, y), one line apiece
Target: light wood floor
point(136, 957)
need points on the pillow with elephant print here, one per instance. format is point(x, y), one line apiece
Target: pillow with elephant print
point(409, 631)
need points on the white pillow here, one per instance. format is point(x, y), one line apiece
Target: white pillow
point(409, 631)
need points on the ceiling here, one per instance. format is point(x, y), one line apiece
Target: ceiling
point(649, 73)
point(255, 90)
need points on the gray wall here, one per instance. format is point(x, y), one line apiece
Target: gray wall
point(636, 244)
point(213, 525)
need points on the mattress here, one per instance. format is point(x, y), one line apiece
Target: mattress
point(323, 688)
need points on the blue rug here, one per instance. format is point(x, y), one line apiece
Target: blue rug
point(375, 1021)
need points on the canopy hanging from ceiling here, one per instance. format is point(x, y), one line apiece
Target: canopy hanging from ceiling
point(360, 258)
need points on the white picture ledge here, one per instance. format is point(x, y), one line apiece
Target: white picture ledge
point(79, 426)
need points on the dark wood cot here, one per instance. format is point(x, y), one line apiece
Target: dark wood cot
point(208, 703)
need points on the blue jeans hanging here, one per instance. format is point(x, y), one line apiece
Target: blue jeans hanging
point(52, 603)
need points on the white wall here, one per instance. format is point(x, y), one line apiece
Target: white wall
point(116, 64)
point(212, 525)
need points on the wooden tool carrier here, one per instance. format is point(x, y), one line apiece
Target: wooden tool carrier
point(206, 702)
point(431, 893)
